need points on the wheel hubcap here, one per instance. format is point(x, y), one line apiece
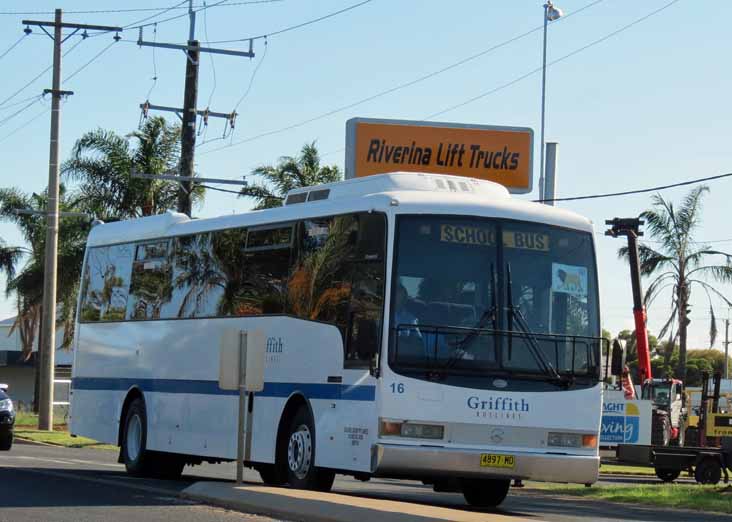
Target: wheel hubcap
point(300, 451)
point(134, 437)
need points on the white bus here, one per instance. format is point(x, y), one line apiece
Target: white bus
point(417, 326)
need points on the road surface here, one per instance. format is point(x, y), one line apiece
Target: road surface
point(60, 484)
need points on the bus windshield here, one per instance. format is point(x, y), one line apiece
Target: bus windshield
point(451, 309)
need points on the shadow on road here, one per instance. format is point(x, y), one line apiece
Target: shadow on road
point(82, 488)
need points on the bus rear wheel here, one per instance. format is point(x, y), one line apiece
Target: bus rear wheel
point(138, 460)
point(485, 493)
point(299, 455)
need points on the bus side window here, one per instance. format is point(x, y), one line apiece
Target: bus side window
point(319, 287)
point(106, 283)
point(198, 281)
point(227, 249)
point(268, 258)
point(367, 296)
point(152, 280)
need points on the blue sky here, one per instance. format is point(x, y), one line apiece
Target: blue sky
point(649, 106)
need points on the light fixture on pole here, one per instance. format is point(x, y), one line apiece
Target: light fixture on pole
point(551, 14)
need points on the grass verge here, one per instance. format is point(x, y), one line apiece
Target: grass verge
point(60, 438)
point(687, 496)
point(617, 469)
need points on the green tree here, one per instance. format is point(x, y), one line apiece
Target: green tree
point(101, 164)
point(678, 263)
point(9, 258)
point(27, 283)
point(631, 347)
point(290, 173)
point(714, 357)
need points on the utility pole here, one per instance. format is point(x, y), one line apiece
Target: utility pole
point(188, 132)
point(726, 349)
point(48, 327)
point(189, 112)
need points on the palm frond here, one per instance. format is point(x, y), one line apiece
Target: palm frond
point(650, 259)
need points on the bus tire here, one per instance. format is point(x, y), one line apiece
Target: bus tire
point(299, 455)
point(485, 493)
point(137, 460)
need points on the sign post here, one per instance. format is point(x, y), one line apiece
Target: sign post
point(242, 407)
point(499, 154)
point(242, 368)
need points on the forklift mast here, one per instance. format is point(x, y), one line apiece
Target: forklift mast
point(630, 227)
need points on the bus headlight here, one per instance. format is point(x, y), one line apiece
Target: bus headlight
point(571, 440)
point(411, 430)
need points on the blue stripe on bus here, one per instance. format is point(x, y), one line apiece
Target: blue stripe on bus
point(349, 392)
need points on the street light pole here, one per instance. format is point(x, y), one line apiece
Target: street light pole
point(551, 13)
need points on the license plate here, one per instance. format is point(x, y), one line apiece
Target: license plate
point(491, 460)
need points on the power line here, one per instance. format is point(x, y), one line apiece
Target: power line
point(293, 27)
point(697, 241)
point(553, 62)
point(18, 129)
point(131, 10)
point(36, 78)
point(154, 63)
point(254, 75)
point(211, 57)
point(246, 93)
point(136, 25)
point(12, 46)
point(176, 6)
point(396, 87)
point(638, 191)
point(19, 111)
point(19, 102)
point(100, 53)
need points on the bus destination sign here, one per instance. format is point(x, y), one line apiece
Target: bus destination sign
point(499, 154)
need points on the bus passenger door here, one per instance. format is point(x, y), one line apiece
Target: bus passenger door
point(358, 395)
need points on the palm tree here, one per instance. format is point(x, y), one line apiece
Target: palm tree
point(27, 284)
point(9, 258)
point(679, 263)
point(102, 162)
point(290, 173)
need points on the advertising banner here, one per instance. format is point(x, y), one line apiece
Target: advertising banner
point(624, 421)
point(499, 154)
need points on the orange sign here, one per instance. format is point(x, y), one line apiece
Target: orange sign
point(499, 154)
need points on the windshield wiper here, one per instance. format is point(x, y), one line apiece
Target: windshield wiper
point(514, 312)
point(492, 314)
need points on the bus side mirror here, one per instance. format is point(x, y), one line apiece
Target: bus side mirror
point(617, 363)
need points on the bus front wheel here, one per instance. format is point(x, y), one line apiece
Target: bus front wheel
point(137, 459)
point(299, 455)
point(485, 493)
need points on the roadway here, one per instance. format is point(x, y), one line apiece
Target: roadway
point(39, 483)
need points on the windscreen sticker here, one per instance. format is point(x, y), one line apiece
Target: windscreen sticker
point(467, 235)
point(526, 240)
point(569, 279)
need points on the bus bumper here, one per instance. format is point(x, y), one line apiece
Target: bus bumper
point(420, 461)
